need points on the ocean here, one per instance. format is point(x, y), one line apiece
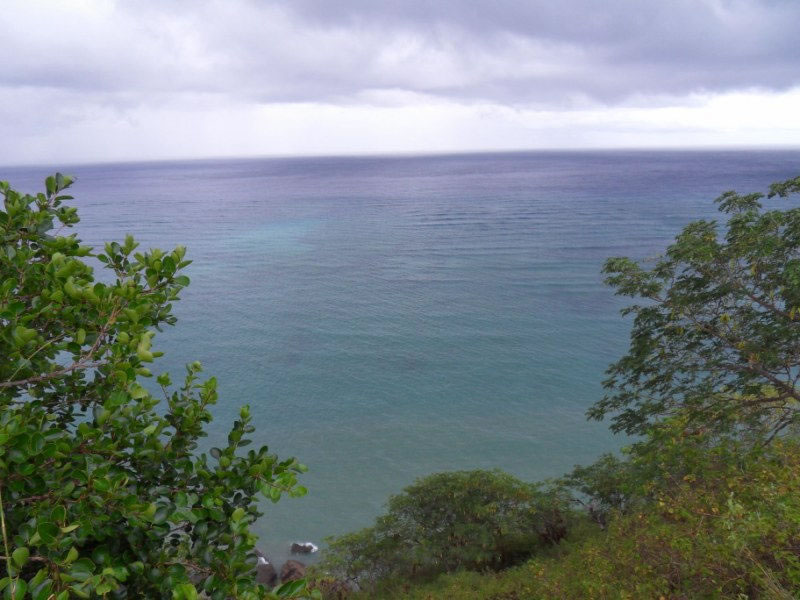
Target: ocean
point(391, 317)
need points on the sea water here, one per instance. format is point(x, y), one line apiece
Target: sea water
point(391, 317)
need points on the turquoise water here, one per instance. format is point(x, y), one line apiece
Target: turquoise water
point(391, 317)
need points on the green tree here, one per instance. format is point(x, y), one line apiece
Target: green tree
point(716, 331)
point(603, 487)
point(102, 490)
point(449, 521)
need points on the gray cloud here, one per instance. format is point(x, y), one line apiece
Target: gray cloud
point(530, 52)
point(90, 80)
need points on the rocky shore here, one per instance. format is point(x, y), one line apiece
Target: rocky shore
point(266, 573)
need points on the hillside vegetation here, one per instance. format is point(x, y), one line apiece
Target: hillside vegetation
point(704, 504)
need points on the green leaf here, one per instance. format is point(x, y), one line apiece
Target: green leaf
point(20, 556)
point(82, 569)
point(116, 399)
point(103, 588)
point(137, 567)
point(37, 442)
point(101, 555)
point(101, 485)
point(40, 576)
point(71, 557)
point(18, 588)
point(238, 514)
point(137, 392)
point(290, 588)
point(47, 531)
point(58, 514)
point(161, 515)
point(184, 591)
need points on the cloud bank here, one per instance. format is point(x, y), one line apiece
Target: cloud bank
point(98, 79)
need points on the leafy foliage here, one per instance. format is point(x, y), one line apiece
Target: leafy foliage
point(717, 332)
point(603, 487)
point(102, 490)
point(728, 528)
point(449, 521)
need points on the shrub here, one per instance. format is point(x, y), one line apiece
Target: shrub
point(450, 521)
point(606, 486)
point(728, 529)
point(102, 491)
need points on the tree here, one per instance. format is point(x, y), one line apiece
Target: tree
point(604, 487)
point(102, 491)
point(449, 521)
point(716, 334)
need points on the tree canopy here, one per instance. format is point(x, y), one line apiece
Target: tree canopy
point(449, 521)
point(716, 330)
point(103, 490)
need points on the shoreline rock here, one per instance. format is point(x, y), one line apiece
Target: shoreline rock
point(265, 571)
point(291, 570)
point(303, 548)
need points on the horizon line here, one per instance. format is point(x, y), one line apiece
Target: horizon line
point(413, 153)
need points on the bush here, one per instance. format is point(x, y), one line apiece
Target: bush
point(449, 521)
point(102, 491)
point(604, 487)
point(729, 528)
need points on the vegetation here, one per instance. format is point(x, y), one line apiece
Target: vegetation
point(715, 334)
point(450, 521)
point(102, 489)
point(704, 504)
point(730, 531)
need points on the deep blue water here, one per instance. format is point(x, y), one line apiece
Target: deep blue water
point(391, 317)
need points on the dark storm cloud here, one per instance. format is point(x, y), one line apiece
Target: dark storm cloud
point(510, 52)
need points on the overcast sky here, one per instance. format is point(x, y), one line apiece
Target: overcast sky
point(89, 80)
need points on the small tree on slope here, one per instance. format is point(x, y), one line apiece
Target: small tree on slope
point(716, 335)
